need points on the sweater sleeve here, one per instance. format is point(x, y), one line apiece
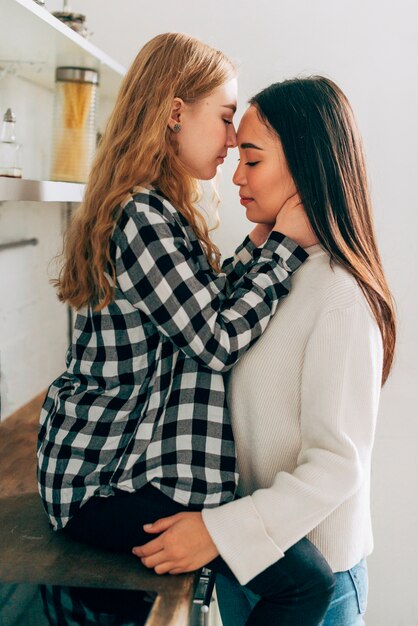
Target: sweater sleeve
point(159, 274)
point(340, 390)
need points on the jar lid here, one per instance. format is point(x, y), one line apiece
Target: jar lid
point(77, 75)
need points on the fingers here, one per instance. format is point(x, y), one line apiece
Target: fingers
point(157, 560)
point(159, 563)
point(164, 568)
point(149, 528)
point(171, 568)
point(148, 549)
point(154, 559)
point(161, 524)
point(160, 567)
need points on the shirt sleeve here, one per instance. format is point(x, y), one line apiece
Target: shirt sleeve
point(158, 273)
point(235, 266)
point(340, 391)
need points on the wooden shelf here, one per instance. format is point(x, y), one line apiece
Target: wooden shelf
point(33, 43)
point(17, 189)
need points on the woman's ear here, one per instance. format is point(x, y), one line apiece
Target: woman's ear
point(175, 115)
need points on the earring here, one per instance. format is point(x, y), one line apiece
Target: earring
point(176, 128)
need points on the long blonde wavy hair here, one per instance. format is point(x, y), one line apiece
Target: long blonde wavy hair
point(138, 148)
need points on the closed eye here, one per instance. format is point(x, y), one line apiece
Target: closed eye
point(252, 163)
point(228, 122)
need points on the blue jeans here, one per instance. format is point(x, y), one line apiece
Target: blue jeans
point(347, 607)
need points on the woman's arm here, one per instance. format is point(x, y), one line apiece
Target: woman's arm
point(340, 394)
point(291, 220)
point(159, 274)
point(235, 266)
point(340, 391)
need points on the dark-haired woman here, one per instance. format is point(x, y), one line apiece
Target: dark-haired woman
point(304, 399)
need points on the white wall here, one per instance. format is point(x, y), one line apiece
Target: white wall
point(33, 324)
point(370, 47)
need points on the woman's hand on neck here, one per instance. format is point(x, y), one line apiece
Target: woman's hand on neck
point(293, 222)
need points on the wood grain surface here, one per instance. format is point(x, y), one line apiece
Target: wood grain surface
point(30, 552)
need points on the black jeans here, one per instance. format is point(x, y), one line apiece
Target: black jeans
point(294, 591)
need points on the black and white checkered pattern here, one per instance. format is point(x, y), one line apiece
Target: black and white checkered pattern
point(143, 399)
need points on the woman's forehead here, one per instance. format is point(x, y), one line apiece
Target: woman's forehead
point(252, 130)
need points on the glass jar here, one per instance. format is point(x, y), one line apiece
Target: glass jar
point(74, 133)
point(10, 149)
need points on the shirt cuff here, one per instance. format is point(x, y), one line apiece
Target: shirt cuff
point(287, 249)
point(239, 534)
point(244, 252)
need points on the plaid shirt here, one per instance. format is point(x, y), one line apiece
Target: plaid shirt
point(143, 399)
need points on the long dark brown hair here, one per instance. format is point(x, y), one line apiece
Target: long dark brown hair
point(323, 149)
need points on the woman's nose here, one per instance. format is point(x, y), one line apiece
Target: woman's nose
point(239, 176)
point(231, 139)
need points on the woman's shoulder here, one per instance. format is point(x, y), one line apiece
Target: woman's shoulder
point(336, 287)
point(147, 208)
point(147, 202)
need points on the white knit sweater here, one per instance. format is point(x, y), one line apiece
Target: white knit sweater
point(304, 402)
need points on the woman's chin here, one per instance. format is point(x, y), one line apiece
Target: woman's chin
point(203, 174)
point(253, 217)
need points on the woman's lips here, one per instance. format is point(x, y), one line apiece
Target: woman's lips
point(244, 200)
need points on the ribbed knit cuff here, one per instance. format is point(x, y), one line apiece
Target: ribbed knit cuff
point(241, 538)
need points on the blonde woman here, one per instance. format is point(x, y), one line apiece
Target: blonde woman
point(137, 426)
